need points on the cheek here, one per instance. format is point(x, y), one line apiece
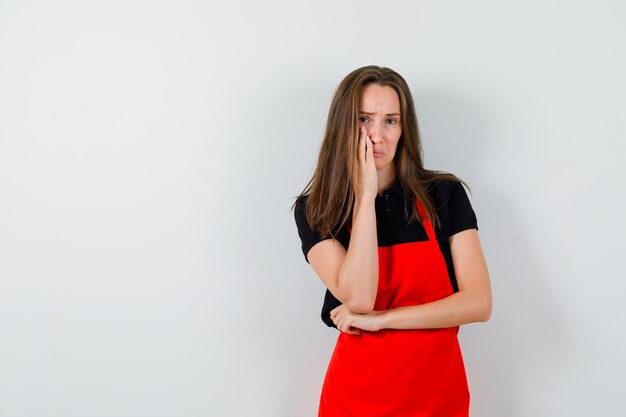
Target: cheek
point(394, 139)
point(393, 145)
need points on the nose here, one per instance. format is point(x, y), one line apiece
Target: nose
point(374, 133)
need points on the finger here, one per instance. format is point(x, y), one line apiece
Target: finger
point(344, 325)
point(340, 314)
point(337, 319)
point(353, 330)
point(336, 310)
point(345, 322)
point(362, 144)
point(340, 324)
point(370, 149)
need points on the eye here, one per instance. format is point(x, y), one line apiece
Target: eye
point(363, 119)
point(392, 121)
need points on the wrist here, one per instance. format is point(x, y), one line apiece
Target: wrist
point(363, 200)
point(383, 319)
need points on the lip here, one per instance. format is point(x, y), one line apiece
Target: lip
point(377, 153)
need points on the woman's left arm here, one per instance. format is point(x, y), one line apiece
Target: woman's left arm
point(472, 303)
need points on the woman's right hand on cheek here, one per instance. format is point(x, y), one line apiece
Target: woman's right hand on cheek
point(368, 177)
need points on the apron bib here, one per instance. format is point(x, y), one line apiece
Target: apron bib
point(400, 372)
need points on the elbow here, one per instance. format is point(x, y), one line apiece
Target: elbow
point(355, 299)
point(360, 306)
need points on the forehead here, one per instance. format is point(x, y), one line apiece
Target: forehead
point(375, 98)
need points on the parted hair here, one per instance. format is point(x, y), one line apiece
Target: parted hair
point(331, 189)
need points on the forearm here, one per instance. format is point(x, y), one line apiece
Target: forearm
point(358, 276)
point(465, 306)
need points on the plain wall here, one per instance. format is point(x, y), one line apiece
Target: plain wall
point(150, 153)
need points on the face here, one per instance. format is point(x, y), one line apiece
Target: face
point(379, 112)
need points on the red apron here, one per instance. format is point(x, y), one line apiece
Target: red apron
point(400, 372)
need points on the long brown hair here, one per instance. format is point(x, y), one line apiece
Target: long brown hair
point(331, 190)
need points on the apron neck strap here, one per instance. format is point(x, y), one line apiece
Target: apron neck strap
point(428, 225)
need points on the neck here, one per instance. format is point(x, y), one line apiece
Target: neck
point(386, 178)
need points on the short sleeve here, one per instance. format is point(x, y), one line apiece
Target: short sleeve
point(461, 215)
point(309, 237)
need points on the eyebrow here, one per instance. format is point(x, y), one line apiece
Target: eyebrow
point(388, 114)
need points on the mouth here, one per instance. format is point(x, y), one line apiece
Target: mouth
point(378, 153)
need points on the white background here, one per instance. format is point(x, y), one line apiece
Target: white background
point(150, 152)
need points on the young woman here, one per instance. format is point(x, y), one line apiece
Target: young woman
point(397, 247)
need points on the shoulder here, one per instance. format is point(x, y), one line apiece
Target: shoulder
point(453, 206)
point(444, 190)
point(299, 213)
point(300, 202)
point(310, 237)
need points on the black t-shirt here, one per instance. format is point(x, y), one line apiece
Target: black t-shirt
point(451, 204)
